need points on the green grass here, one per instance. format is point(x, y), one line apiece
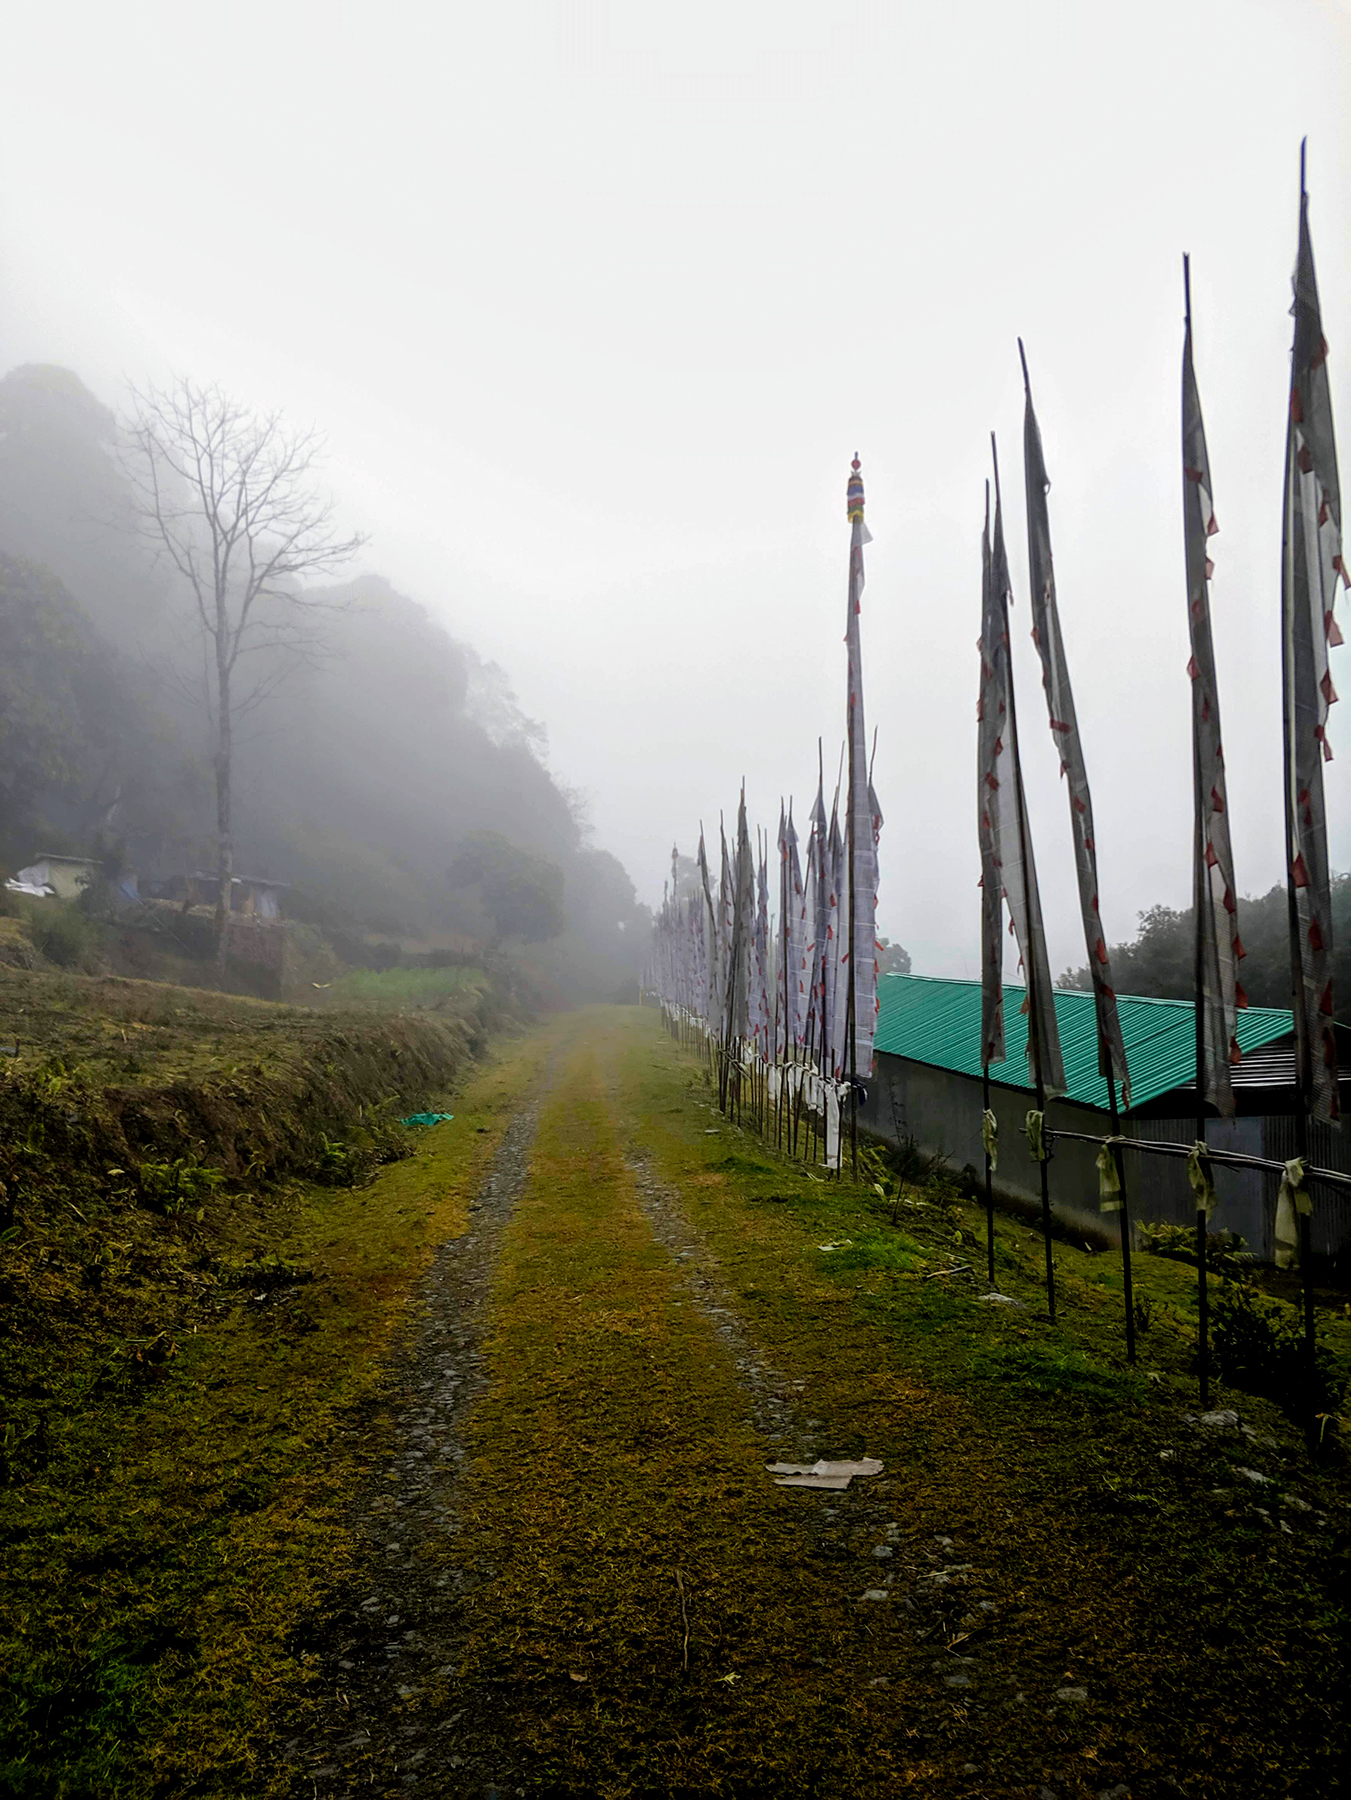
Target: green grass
point(394, 990)
point(611, 1456)
point(1214, 1646)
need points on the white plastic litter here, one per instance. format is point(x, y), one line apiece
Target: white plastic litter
point(830, 1476)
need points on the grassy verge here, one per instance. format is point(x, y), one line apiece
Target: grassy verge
point(389, 990)
point(1124, 1552)
point(176, 1505)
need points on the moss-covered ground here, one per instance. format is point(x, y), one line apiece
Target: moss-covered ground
point(1113, 1549)
point(175, 1513)
point(1150, 1608)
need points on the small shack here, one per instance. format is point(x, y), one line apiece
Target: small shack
point(252, 896)
point(67, 877)
point(926, 1088)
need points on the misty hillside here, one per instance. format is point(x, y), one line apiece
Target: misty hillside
point(358, 778)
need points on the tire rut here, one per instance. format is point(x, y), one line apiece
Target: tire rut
point(929, 1588)
point(401, 1629)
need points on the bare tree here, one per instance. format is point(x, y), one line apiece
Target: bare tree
point(228, 496)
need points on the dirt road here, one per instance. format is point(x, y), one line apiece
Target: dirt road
point(578, 1576)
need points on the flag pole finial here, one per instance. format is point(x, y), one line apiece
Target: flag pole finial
point(853, 493)
point(1303, 146)
point(1187, 286)
point(1022, 358)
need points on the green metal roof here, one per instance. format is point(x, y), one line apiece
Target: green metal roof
point(935, 1020)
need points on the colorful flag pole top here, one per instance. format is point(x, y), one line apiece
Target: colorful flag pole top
point(853, 500)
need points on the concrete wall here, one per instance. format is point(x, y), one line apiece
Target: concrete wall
point(941, 1111)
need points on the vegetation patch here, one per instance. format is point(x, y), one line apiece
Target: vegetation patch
point(1126, 1551)
point(191, 1391)
point(655, 1621)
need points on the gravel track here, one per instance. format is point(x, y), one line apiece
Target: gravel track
point(401, 1629)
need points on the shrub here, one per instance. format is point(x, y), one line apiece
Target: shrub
point(1257, 1344)
point(1226, 1252)
point(168, 1187)
point(63, 933)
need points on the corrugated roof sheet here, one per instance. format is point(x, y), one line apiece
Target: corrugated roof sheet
point(935, 1020)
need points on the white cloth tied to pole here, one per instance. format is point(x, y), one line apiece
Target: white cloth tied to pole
point(1292, 1199)
point(989, 1136)
point(1109, 1177)
point(1036, 1136)
point(1198, 1174)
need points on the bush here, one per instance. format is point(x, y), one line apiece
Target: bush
point(169, 1187)
point(1226, 1252)
point(1258, 1345)
point(63, 933)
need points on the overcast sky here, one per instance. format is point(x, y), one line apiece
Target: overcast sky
point(596, 300)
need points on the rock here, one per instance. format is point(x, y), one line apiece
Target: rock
point(881, 1551)
point(1077, 1695)
point(1224, 1420)
point(1255, 1476)
point(1001, 1300)
point(1295, 1503)
point(957, 1681)
point(1119, 1792)
point(880, 1681)
point(875, 1594)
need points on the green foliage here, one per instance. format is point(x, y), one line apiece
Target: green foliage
point(1257, 1344)
point(264, 1274)
point(394, 990)
point(170, 1187)
point(892, 959)
point(1059, 1370)
point(64, 933)
point(1226, 1252)
point(79, 732)
point(1159, 962)
point(522, 894)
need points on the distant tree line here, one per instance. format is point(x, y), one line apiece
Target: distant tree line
point(1159, 961)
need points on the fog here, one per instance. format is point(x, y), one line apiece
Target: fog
point(595, 302)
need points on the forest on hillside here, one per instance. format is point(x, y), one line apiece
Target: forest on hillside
point(1159, 961)
point(388, 778)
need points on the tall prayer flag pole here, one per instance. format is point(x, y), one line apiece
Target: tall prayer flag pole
point(1214, 896)
point(1310, 564)
point(859, 817)
point(1017, 866)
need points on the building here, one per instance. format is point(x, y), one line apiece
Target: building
point(253, 896)
point(926, 1087)
point(67, 877)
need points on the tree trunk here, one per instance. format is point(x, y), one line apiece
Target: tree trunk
point(225, 852)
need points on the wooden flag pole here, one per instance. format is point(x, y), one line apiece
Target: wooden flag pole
point(1029, 973)
point(1199, 990)
point(989, 1178)
point(1128, 1291)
